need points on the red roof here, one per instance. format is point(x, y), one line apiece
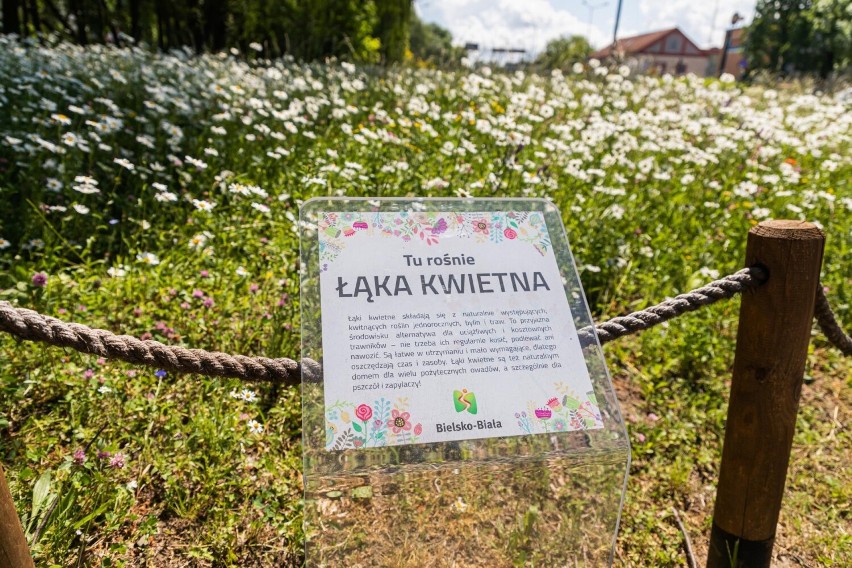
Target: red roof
point(639, 43)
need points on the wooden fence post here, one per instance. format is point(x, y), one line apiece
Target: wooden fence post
point(772, 345)
point(14, 552)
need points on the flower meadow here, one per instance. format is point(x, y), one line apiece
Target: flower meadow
point(157, 195)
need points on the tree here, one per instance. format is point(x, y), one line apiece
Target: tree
point(392, 28)
point(11, 20)
point(831, 22)
point(563, 52)
point(432, 43)
point(357, 30)
point(800, 36)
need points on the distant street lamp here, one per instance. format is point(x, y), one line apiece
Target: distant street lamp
point(592, 8)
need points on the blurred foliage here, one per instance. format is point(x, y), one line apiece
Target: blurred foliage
point(800, 37)
point(433, 44)
point(358, 30)
point(563, 52)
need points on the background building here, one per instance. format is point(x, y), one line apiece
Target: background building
point(664, 51)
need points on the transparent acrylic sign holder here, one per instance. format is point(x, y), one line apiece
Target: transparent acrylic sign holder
point(450, 416)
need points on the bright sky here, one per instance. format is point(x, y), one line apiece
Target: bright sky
point(529, 24)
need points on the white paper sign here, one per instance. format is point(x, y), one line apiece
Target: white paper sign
point(440, 326)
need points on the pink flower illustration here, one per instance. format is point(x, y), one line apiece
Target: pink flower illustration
point(543, 413)
point(399, 421)
point(364, 412)
point(360, 225)
point(510, 234)
point(480, 226)
point(554, 403)
point(418, 429)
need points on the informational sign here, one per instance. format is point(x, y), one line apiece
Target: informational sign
point(450, 414)
point(441, 326)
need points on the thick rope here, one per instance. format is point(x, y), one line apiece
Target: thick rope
point(33, 326)
point(27, 324)
point(724, 288)
point(829, 326)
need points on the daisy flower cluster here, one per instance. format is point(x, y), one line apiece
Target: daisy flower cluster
point(170, 147)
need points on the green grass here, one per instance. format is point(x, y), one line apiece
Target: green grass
point(659, 182)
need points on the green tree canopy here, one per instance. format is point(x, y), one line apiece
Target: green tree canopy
point(359, 30)
point(800, 36)
point(432, 43)
point(831, 22)
point(563, 52)
point(392, 28)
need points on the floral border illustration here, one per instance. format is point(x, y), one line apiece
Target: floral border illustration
point(369, 425)
point(563, 412)
point(337, 229)
point(364, 424)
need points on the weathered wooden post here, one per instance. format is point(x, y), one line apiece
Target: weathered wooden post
point(14, 552)
point(772, 344)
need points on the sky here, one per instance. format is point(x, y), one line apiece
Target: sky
point(529, 24)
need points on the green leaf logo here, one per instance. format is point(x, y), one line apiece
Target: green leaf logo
point(464, 400)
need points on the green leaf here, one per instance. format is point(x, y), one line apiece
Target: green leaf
point(41, 491)
point(356, 427)
point(91, 516)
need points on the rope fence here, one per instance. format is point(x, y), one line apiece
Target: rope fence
point(829, 326)
point(32, 326)
point(721, 289)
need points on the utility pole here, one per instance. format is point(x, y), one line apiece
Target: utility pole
point(615, 30)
